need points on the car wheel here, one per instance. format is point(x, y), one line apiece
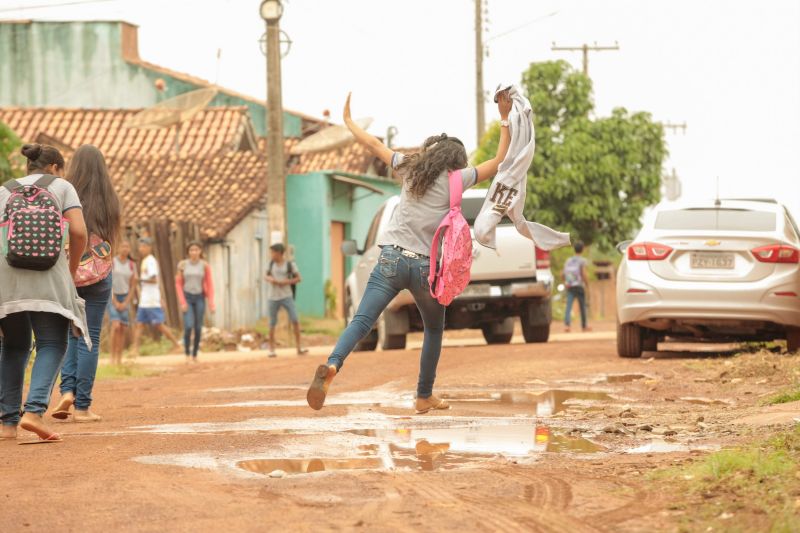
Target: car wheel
point(389, 342)
point(793, 340)
point(535, 333)
point(368, 343)
point(499, 332)
point(629, 340)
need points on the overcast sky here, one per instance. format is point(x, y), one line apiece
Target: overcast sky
point(729, 68)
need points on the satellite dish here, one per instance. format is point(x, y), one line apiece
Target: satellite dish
point(172, 111)
point(330, 138)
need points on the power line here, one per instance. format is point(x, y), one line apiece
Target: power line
point(585, 48)
point(62, 4)
point(521, 26)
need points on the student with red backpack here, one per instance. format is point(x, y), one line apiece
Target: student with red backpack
point(433, 181)
point(37, 295)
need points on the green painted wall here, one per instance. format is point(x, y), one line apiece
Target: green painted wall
point(80, 64)
point(315, 200)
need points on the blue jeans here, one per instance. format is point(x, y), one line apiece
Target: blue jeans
point(393, 273)
point(574, 293)
point(274, 307)
point(51, 332)
point(80, 366)
point(193, 321)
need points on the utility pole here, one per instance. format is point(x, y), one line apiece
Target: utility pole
point(271, 11)
point(585, 48)
point(675, 126)
point(673, 188)
point(480, 111)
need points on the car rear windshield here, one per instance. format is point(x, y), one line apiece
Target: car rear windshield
point(472, 206)
point(716, 219)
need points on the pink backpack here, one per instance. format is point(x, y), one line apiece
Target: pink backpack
point(449, 278)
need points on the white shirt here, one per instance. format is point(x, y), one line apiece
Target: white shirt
point(151, 292)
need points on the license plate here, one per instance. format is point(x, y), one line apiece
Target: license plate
point(713, 261)
point(477, 291)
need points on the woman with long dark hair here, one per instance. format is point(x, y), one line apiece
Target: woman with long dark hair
point(195, 290)
point(37, 302)
point(404, 263)
point(89, 175)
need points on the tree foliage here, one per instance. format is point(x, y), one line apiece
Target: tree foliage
point(590, 176)
point(9, 143)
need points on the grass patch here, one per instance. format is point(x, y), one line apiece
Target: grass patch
point(753, 487)
point(124, 371)
point(790, 395)
point(150, 346)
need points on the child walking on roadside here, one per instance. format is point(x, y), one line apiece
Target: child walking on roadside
point(123, 290)
point(282, 277)
point(577, 282)
point(404, 263)
point(89, 175)
point(150, 312)
point(195, 290)
point(35, 302)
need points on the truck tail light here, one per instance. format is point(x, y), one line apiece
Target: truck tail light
point(542, 259)
point(776, 253)
point(648, 251)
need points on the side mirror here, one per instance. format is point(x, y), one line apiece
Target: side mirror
point(351, 248)
point(623, 246)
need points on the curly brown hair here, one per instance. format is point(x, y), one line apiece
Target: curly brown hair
point(439, 153)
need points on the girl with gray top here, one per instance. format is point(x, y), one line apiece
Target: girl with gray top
point(123, 289)
point(42, 303)
point(403, 264)
point(195, 289)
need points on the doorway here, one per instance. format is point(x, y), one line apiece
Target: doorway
point(337, 267)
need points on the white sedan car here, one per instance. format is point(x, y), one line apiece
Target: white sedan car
point(717, 270)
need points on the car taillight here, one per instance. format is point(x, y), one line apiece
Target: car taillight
point(648, 251)
point(776, 253)
point(542, 259)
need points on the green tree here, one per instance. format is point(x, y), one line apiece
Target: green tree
point(590, 176)
point(8, 145)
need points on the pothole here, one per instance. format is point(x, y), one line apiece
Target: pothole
point(546, 403)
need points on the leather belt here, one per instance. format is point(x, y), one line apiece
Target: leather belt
point(407, 253)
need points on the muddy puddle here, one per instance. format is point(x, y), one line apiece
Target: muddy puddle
point(542, 404)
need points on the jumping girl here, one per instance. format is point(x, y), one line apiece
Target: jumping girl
point(404, 263)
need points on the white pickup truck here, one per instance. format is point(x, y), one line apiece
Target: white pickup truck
point(513, 281)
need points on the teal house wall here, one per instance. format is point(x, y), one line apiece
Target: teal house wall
point(317, 200)
point(96, 64)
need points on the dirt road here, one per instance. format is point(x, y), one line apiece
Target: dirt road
point(556, 437)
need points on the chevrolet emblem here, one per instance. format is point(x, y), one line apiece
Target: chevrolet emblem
point(713, 243)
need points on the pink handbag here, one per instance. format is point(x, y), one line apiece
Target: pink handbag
point(450, 277)
point(96, 263)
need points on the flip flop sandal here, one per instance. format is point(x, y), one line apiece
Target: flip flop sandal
point(272, 354)
point(317, 390)
point(60, 415)
point(432, 408)
point(51, 439)
point(302, 351)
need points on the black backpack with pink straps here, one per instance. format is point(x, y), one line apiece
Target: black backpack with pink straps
point(33, 225)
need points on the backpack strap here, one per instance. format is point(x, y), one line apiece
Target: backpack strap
point(456, 188)
point(289, 270)
point(45, 181)
point(12, 185)
point(269, 270)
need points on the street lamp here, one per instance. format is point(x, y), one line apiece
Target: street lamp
point(271, 11)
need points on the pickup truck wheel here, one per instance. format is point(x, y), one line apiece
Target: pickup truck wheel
point(793, 340)
point(499, 333)
point(389, 342)
point(368, 343)
point(629, 340)
point(535, 333)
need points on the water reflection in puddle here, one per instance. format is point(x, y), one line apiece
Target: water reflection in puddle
point(308, 466)
point(545, 404)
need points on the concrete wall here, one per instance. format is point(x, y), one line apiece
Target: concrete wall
point(238, 265)
point(83, 64)
point(316, 200)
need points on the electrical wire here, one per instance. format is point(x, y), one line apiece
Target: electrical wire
point(62, 4)
point(521, 26)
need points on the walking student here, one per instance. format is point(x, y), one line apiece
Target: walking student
point(283, 277)
point(577, 282)
point(195, 289)
point(404, 263)
point(37, 296)
point(89, 175)
point(123, 291)
point(150, 312)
